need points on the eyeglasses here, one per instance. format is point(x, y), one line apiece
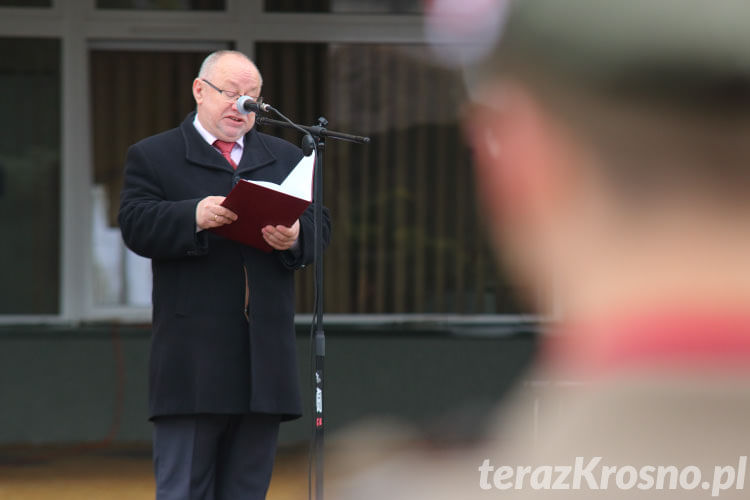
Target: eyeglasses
point(230, 95)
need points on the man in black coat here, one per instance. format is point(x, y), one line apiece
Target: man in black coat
point(223, 369)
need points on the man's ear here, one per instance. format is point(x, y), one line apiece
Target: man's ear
point(198, 91)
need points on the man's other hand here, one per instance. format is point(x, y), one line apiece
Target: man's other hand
point(281, 237)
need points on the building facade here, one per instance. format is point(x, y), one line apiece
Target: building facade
point(82, 80)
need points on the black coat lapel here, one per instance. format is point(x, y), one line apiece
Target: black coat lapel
point(197, 150)
point(255, 153)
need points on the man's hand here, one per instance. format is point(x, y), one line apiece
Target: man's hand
point(209, 213)
point(281, 237)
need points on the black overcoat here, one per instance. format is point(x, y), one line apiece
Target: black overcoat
point(206, 357)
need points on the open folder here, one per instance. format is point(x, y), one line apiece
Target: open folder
point(261, 203)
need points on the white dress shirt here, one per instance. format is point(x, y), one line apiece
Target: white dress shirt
point(239, 144)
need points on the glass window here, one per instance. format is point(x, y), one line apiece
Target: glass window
point(407, 238)
point(347, 6)
point(145, 92)
point(406, 234)
point(30, 176)
point(162, 4)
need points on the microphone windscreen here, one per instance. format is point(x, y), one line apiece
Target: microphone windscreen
point(246, 105)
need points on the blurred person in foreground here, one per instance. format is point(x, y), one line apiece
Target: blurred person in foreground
point(612, 144)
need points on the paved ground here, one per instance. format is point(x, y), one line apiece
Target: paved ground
point(113, 473)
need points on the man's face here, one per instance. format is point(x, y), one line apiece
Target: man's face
point(217, 113)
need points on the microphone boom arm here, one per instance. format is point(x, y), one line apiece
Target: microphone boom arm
point(315, 130)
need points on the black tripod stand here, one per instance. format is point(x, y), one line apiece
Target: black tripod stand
point(315, 139)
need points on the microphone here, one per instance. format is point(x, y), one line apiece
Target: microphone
point(246, 104)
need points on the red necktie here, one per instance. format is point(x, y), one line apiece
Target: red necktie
point(226, 151)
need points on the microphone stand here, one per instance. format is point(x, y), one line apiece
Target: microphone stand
point(314, 139)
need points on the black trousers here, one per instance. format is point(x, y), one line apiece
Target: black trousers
point(214, 457)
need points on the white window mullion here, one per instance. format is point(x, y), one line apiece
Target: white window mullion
point(247, 15)
point(75, 283)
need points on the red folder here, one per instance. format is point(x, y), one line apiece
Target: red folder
point(258, 206)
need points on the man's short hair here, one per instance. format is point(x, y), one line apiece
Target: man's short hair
point(211, 59)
